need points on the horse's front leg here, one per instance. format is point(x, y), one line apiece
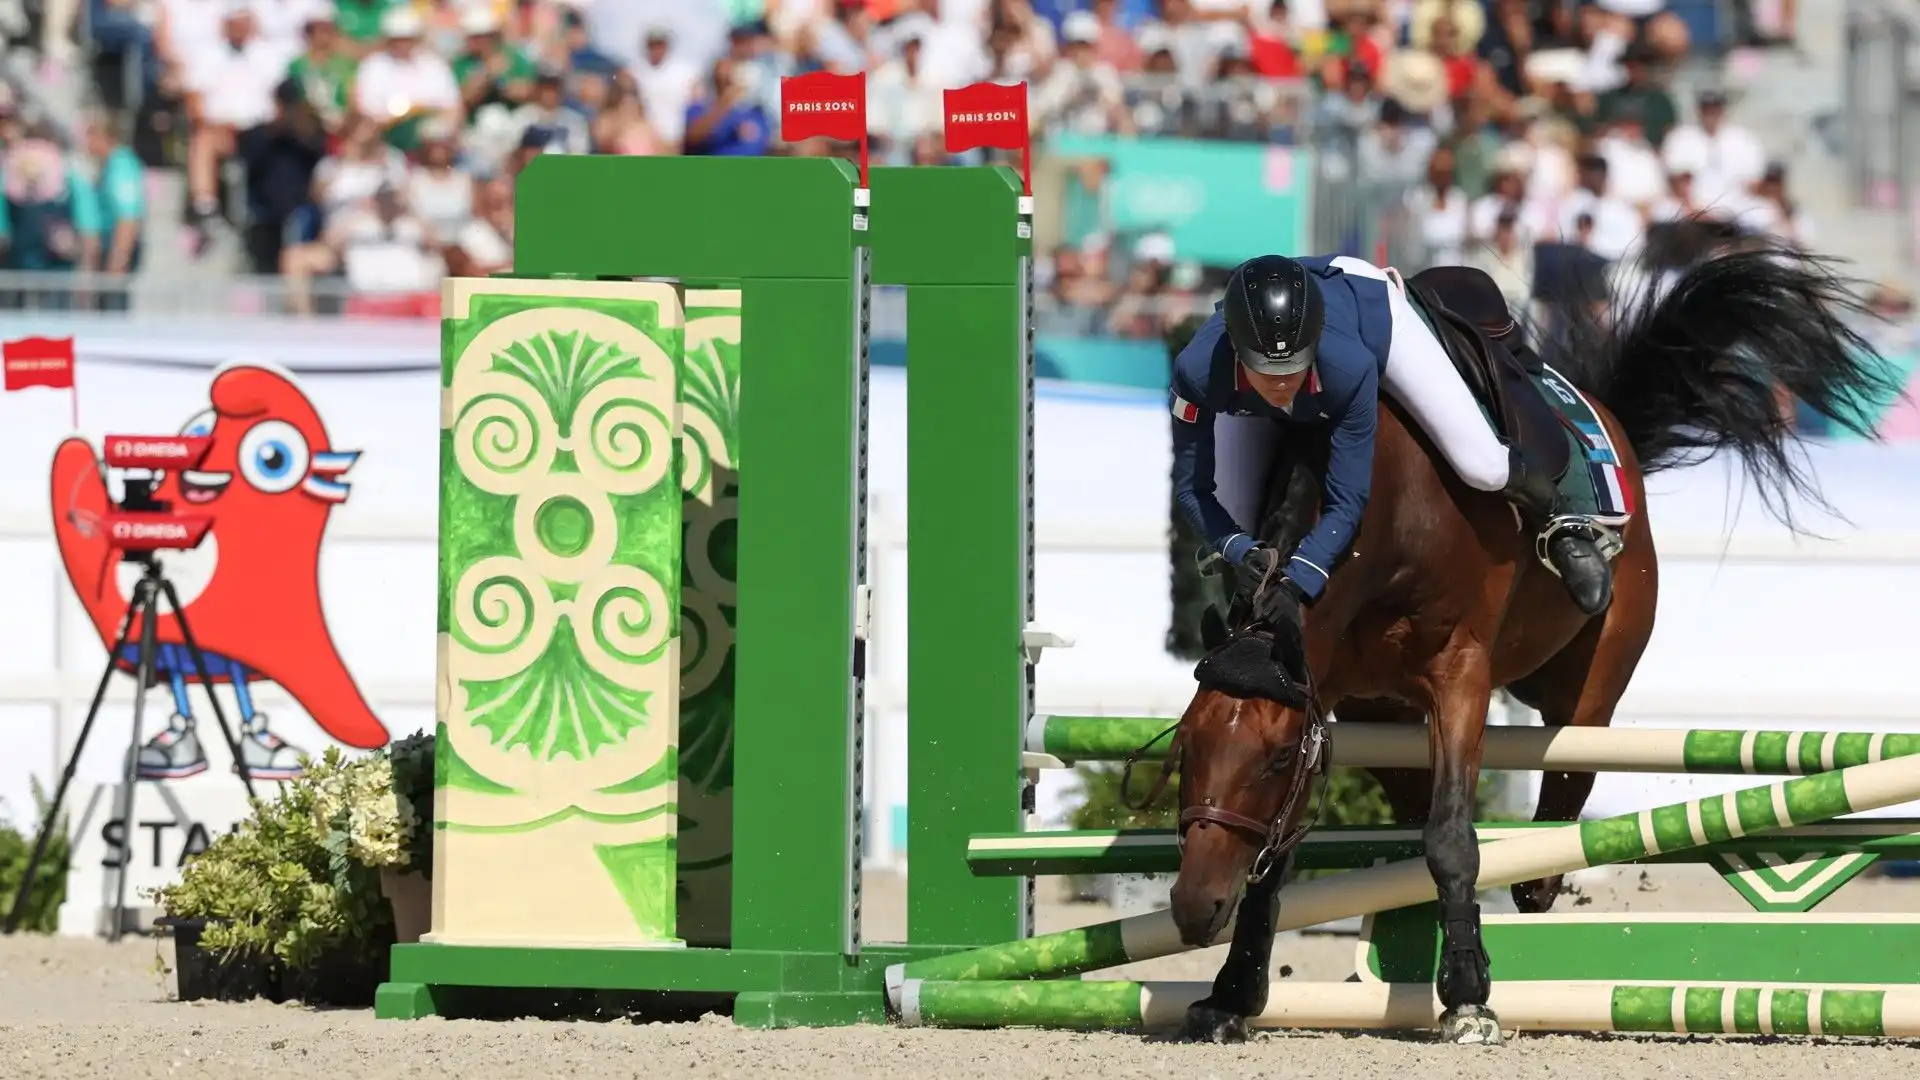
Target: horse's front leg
point(1240, 989)
point(1456, 730)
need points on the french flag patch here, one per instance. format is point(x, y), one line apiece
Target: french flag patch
point(1185, 410)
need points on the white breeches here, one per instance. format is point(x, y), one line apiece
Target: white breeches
point(1418, 375)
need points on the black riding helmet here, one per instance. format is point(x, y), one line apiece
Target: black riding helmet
point(1274, 313)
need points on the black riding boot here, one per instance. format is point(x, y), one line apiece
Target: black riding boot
point(1571, 550)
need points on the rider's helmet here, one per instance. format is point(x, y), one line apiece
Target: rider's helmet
point(1274, 313)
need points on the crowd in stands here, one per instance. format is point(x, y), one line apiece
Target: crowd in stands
point(378, 140)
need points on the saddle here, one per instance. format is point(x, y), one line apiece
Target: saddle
point(1471, 318)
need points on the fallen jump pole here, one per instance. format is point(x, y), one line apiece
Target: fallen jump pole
point(1623, 838)
point(1567, 749)
point(1111, 1005)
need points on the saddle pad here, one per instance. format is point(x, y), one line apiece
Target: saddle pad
point(1600, 490)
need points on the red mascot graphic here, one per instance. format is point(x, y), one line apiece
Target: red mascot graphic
point(269, 481)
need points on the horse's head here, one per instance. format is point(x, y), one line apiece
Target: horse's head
point(1249, 745)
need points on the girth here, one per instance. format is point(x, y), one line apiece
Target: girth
point(1521, 416)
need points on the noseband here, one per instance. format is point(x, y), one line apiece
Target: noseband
point(1277, 840)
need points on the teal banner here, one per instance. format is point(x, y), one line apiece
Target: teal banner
point(1222, 202)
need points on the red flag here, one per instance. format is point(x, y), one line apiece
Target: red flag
point(989, 114)
point(38, 361)
point(827, 106)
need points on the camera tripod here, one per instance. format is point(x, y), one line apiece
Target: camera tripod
point(144, 609)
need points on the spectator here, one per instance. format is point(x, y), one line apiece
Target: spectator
point(623, 128)
point(1772, 211)
point(577, 50)
point(1611, 227)
point(282, 156)
point(1440, 212)
point(1080, 291)
point(361, 166)
point(1507, 194)
point(360, 21)
point(902, 101)
point(751, 46)
point(324, 70)
point(439, 191)
point(666, 84)
point(1116, 46)
point(953, 40)
point(1678, 202)
point(50, 220)
point(489, 71)
point(1507, 257)
point(1476, 143)
point(1190, 41)
point(1393, 152)
point(1725, 159)
point(485, 244)
point(844, 42)
point(1641, 95)
point(1082, 94)
point(727, 120)
point(1457, 58)
point(1273, 43)
point(405, 82)
point(384, 247)
point(231, 90)
point(1635, 175)
point(1023, 42)
point(283, 23)
point(1465, 22)
point(1506, 44)
point(381, 248)
point(122, 196)
point(567, 128)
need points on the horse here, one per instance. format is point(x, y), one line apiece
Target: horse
point(1442, 600)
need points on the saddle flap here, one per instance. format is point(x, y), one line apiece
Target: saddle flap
point(1519, 413)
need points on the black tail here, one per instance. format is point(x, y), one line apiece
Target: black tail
point(1698, 369)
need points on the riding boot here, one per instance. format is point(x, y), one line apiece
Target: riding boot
point(1571, 551)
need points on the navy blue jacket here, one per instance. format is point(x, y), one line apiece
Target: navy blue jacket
point(1343, 392)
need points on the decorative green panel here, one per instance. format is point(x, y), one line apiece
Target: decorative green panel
point(560, 573)
point(710, 463)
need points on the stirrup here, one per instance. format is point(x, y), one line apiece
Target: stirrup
point(1605, 539)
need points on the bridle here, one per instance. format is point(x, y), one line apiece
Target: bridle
point(1309, 758)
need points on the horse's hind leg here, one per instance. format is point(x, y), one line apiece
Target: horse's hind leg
point(1240, 989)
point(1461, 689)
point(1580, 686)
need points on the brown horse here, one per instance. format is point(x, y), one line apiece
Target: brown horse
point(1442, 601)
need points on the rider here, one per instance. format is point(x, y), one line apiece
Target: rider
point(1315, 340)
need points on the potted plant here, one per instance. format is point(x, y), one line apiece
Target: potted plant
point(291, 899)
point(390, 830)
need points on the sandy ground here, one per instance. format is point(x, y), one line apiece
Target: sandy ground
point(85, 1009)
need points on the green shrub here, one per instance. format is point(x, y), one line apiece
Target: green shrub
point(300, 877)
point(49, 890)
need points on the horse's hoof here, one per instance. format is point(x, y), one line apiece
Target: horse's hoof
point(1535, 897)
point(1470, 1025)
point(1206, 1024)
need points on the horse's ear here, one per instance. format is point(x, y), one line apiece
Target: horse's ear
point(1213, 628)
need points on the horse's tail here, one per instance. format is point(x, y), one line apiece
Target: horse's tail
point(1696, 368)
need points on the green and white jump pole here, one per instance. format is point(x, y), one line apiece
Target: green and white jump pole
point(1107, 1005)
point(1564, 749)
point(1623, 838)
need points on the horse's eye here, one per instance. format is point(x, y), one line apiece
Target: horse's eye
point(1280, 760)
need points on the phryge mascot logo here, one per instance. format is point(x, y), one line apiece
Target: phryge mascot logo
point(269, 481)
